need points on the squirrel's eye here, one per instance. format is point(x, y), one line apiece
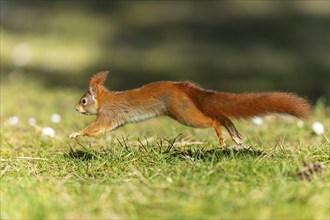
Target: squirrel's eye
point(84, 101)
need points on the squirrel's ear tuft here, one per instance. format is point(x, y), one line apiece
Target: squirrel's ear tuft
point(98, 78)
point(96, 83)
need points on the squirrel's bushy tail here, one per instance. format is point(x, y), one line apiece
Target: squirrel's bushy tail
point(247, 105)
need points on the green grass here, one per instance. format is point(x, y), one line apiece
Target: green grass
point(135, 172)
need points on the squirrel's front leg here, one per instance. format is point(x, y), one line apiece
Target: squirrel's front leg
point(74, 134)
point(94, 129)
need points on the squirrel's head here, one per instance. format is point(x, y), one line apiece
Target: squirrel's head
point(89, 102)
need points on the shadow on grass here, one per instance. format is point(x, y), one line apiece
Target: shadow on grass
point(215, 154)
point(82, 155)
point(181, 154)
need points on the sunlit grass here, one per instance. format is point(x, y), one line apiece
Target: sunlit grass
point(134, 172)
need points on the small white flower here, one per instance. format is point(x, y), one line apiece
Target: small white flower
point(32, 121)
point(22, 54)
point(257, 121)
point(14, 120)
point(189, 158)
point(55, 118)
point(47, 131)
point(300, 123)
point(318, 128)
point(169, 179)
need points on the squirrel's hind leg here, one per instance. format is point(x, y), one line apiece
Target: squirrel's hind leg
point(235, 135)
point(217, 128)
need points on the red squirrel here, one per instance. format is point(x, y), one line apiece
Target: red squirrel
point(183, 101)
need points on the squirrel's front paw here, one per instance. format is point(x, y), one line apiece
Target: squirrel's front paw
point(74, 135)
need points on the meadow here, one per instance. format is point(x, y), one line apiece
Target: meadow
point(157, 168)
point(160, 168)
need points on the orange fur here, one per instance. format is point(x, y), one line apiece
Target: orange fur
point(182, 101)
point(229, 105)
point(99, 78)
point(97, 81)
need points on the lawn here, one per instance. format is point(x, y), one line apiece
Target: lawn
point(155, 169)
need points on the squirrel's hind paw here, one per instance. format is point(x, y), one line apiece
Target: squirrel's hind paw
point(237, 139)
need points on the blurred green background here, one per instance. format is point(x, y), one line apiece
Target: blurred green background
point(232, 46)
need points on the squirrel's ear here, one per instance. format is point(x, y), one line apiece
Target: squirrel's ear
point(97, 81)
point(98, 78)
point(92, 90)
